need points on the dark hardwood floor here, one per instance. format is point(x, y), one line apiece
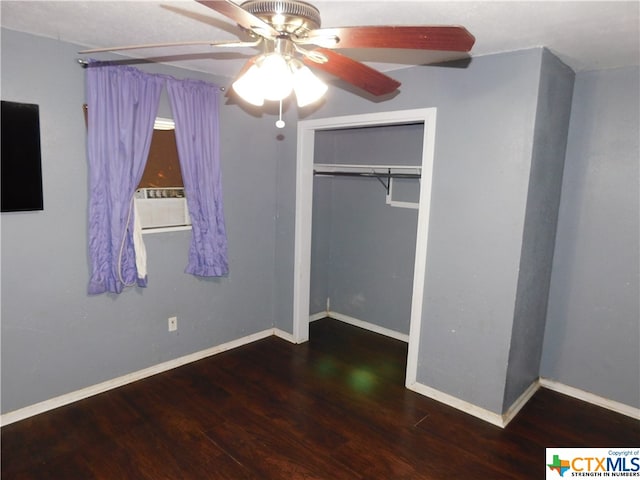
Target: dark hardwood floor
point(334, 408)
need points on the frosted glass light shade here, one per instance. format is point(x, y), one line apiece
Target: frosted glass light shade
point(307, 86)
point(249, 86)
point(274, 77)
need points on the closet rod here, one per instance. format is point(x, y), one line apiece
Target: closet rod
point(388, 176)
point(339, 173)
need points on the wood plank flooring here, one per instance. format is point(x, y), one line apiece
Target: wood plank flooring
point(334, 408)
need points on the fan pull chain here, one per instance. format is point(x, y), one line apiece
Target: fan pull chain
point(280, 123)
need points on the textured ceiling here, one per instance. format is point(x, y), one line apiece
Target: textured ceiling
point(585, 35)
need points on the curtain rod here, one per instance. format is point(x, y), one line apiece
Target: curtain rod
point(84, 64)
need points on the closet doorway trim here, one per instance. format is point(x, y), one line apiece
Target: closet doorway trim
point(304, 209)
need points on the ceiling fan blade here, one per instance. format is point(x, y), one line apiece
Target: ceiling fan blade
point(354, 72)
point(239, 15)
point(172, 44)
point(446, 37)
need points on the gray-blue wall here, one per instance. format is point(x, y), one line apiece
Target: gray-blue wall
point(545, 181)
point(56, 338)
point(484, 142)
point(592, 336)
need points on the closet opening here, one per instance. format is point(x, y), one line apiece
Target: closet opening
point(363, 194)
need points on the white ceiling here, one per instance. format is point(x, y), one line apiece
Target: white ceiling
point(585, 35)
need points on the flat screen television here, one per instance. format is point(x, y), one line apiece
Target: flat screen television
point(21, 167)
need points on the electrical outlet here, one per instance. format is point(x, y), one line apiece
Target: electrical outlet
point(173, 324)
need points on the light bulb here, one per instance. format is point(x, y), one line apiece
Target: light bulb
point(275, 77)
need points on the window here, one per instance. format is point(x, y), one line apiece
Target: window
point(160, 199)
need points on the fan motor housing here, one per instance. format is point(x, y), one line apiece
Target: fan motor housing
point(291, 17)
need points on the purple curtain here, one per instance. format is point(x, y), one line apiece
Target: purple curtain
point(122, 105)
point(195, 110)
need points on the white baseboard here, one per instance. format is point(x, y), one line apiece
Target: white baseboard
point(284, 335)
point(499, 420)
point(83, 393)
point(318, 316)
point(367, 326)
point(470, 408)
point(503, 420)
point(618, 407)
point(520, 402)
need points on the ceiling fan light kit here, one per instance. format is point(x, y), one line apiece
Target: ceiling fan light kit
point(274, 75)
point(293, 44)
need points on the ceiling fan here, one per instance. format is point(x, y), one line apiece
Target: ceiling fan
point(292, 38)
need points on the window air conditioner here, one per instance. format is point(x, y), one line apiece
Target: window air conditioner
point(162, 207)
